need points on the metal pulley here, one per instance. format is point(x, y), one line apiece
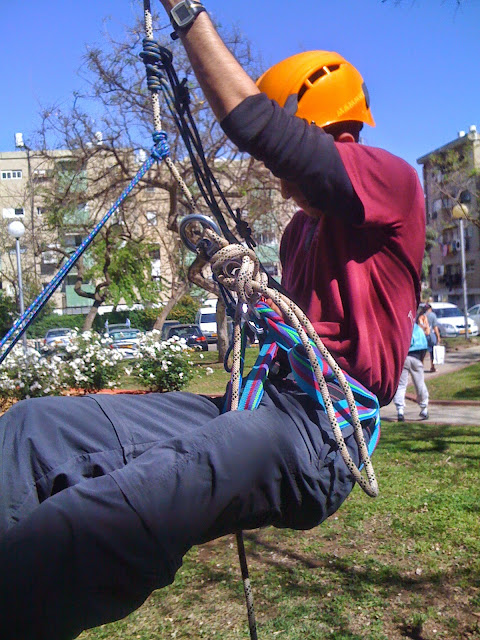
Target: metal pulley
point(192, 231)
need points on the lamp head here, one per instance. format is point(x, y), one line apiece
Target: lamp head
point(460, 211)
point(16, 228)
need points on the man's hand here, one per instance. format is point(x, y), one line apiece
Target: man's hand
point(223, 81)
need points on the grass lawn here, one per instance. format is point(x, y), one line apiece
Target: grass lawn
point(464, 384)
point(216, 381)
point(406, 565)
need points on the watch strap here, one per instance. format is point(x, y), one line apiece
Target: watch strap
point(195, 8)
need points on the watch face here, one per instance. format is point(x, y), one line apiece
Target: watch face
point(182, 13)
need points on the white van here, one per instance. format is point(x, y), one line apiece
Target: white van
point(207, 321)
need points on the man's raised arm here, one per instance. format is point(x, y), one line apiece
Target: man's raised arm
point(223, 81)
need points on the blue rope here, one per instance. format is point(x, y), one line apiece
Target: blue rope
point(159, 152)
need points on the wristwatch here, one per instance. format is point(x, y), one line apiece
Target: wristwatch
point(183, 15)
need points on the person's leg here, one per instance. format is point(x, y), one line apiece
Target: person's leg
point(94, 551)
point(432, 341)
point(49, 444)
point(399, 397)
point(418, 377)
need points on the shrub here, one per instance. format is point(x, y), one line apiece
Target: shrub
point(89, 363)
point(185, 310)
point(41, 325)
point(7, 312)
point(30, 375)
point(164, 366)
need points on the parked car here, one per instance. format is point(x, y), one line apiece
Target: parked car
point(58, 338)
point(111, 328)
point(474, 313)
point(451, 321)
point(126, 341)
point(166, 326)
point(191, 333)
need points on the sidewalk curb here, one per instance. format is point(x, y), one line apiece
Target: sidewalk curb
point(457, 403)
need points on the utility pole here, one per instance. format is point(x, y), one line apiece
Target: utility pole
point(460, 211)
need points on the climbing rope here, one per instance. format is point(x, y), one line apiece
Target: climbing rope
point(237, 268)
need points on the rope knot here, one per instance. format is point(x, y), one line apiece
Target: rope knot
point(161, 148)
point(153, 59)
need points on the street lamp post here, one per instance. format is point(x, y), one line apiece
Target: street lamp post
point(17, 229)
point(460, 211)
point(20, 144)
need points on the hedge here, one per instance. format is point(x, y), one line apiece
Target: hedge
point(144, 319)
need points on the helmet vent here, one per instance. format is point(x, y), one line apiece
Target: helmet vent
point(316, 75)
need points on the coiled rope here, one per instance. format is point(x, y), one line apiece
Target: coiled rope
point(237, 269)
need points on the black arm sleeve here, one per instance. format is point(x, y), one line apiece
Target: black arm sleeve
point(296, 151)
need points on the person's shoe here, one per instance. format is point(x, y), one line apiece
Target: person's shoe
point(432, 369)
point(400, 417)
point(424, 414)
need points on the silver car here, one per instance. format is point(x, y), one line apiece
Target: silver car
point(58, 338)
point(126, 341)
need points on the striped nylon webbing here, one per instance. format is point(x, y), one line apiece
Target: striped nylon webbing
point(280, 335)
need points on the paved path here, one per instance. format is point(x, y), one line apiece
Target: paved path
point(455, 412)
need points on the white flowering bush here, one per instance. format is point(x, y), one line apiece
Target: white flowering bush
point(30, 375)
point(89, 363)
point(163, 365)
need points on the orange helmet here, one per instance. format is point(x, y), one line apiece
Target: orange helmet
point(320, 86)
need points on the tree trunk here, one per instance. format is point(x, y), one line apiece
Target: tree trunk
point(222, 330)
point(91, 315)
point(178, 292)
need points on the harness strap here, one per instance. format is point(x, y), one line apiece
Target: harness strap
point(280, 335)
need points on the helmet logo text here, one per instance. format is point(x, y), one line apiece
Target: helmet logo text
point(350, 104)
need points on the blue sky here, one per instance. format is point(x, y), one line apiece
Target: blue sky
point(419, 59)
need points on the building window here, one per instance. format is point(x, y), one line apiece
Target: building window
point(156, 265)
point(19, 211)
point(73, 240)
point(271, 269)
point(266, 238)
point(151, 217)
point(49, 262)
point(12, 175)
point(40, 211)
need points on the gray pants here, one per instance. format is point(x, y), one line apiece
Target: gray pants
point(414, 367)
point(101, 496)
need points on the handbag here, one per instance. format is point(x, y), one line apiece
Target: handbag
point(438, 354)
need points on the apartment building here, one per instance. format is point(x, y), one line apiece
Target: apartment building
point(27, 181)
point(452, 190)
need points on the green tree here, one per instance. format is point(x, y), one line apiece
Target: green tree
point(8, 310)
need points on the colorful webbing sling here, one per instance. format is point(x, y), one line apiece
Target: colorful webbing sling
point(280, 335)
